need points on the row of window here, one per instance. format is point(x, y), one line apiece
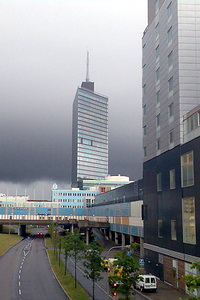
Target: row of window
point(92, 150)
point(73, 194)
point(90, 119)
point(69, 200)
point(82, 156)
point(92, 107)
point(91, 129)
point(187, 173)
point(91, 126)
point(88, 114)
point(93, 136)
point(72, 206)
point(100, 100)
point(188, 221)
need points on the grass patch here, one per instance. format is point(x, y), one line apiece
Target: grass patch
point(67, 281)
point(7, 241)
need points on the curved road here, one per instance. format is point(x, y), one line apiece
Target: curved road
point(25, 274)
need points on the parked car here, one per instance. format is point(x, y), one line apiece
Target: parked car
point(147, 282)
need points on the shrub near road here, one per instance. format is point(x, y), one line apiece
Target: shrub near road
point(7, 241)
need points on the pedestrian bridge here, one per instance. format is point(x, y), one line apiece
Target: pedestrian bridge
point(80, 221)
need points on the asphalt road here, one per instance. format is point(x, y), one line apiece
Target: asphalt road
point(102, 289)
point(25, 273)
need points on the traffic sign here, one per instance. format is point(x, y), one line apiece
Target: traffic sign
point(141, 262)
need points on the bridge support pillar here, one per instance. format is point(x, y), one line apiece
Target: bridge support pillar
point(141, 247)
point(123, 239)
point(72, 228)
point(110, 234)
point(116, 238)
point(22, 230)
point(87, 237)
point(1, 228)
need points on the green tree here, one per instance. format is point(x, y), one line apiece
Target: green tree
point(193, 282)
point(92, 262)
point(127, 275)
point(66, 244)
point(53, 231)
point(77, 247)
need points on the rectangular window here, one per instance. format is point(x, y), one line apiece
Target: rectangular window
point(189, 222)
point(170, 59)
point(160, 228)
point(171, 137)
point(187, 169)
point(156, 5)
point(170, 110)
point(169, 10)
point(145, 151)
point(158, 120)
point(158, 144)
point(157, 30)
point(169, 35)
point(157, 50)
point(158, 74)
point(158, 97)
point(192, 122)
point(172, 179)
point(159, 182)
point(173, 230)
point(170, 84)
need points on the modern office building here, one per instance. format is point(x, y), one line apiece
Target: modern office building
point(89, 134)
point(171, 68)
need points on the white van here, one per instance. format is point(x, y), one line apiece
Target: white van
point(147, 282)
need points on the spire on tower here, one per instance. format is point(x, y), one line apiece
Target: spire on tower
point(87, 69)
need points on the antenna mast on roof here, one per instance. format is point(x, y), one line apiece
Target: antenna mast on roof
point(87, 71)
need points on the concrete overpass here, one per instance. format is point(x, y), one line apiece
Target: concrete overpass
point(72, 221)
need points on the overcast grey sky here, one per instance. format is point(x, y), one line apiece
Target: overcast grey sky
point(42, 62)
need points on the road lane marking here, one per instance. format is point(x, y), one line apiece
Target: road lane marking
point(95, 282)
point(20, 271)
point(20, 292)
point(19, 283)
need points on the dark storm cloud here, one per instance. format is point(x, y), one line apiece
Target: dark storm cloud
point(43, 53)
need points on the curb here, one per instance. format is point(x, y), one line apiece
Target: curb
point(57, 277)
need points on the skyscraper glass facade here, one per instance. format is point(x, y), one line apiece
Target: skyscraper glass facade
point(89, 135)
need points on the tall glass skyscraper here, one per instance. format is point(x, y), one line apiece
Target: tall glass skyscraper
point(89, 134)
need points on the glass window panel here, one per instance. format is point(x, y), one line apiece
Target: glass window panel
point(159, 183)
point(187, 169)
point(189, 223)
point(173, 230)
point(172, 179)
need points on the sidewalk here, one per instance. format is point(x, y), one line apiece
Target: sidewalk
point(165, 292)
